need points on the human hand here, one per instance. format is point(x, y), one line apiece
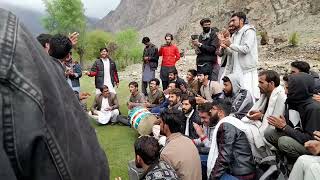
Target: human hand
point(117, 85)
point(86, 72)
point(226, 42)
point(200, 100)
point(199, 130)
point(313, 146)
point(74, 38)
point(278, 122)
point(316, 97)
point(108, 109)
point(196, 42)
point(254, 115)
point(316, 135)
point(118, 178)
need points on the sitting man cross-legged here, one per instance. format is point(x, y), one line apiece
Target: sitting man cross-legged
point(105, 106)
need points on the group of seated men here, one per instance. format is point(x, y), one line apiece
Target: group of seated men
point(215, 131)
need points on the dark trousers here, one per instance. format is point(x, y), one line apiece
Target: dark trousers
point(165, 84)
point(144, 87)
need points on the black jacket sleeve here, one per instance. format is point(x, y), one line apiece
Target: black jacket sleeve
point(211, 46)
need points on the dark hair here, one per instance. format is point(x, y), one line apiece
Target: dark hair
point(271, 75)
point(60, 46)
point(224, 105)
point(133, 83)
point(204, 20)
point(148, 149)
point(168, 35)
point(226, 79)
point(302, 66)
point(285, 78)
point(240, 15)
point(191, 99)
point(145, 40)
point(204, 71)
point(104, 48)
point(174, 71)
point(175, 83)
point(205, 107)
point(103, 88)
point(44, 39)
point(155, 80)
point(173, 118)
point(175, 91)
point(193, 72)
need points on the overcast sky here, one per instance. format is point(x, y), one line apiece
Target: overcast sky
point(93, 8)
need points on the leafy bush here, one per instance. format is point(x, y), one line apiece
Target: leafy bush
point(294, 39)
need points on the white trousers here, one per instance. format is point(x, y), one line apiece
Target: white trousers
point(306, 168)
point(104, 117)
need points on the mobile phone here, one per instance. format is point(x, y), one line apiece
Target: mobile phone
point(194, 36)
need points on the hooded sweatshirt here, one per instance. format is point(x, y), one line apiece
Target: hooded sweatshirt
point(300, 91)
point(240, 99)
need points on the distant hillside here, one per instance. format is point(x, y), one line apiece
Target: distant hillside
point(32, 19)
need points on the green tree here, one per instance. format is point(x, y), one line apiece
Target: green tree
point(94, 41)
point(66, 16)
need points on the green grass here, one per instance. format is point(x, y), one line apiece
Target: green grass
point(117, 141)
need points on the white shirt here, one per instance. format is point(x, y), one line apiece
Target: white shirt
point(186, 132)
point(106, 78)
point(104, 104)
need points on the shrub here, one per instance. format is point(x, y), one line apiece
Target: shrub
point(294, 39)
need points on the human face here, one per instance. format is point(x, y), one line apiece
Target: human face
point(186, 106)
point(294, 70)
point(173, 99)
point(105, 92)
point(138, 161)
point(206, 27)
point(201, 77)
point(227, 88)
point(205, 117)
point(236, 23)
point(153, 85)
point(168, 40)
point(104, 54)
point(214, 115)
point(264, 86)
point(172, 86)
point(172, 77)
point(189, 77)
point(133, 89)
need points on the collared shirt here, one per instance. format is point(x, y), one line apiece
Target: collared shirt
point(186, 131)
point(212, 88)
point(156, 98)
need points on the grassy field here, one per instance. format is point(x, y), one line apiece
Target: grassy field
point(117, 141)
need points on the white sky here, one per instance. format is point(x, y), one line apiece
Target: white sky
point(93, 8)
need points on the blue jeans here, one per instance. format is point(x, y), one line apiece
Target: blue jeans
point(226, 176)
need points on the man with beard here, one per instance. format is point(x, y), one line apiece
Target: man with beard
point(189, 106)
point(136, 98)
point(288, 138)
point(105, 72)
point(147, 159)
point(230, 155)
point(240, 98)
point(156, 96)
point(44, 132)
point(170, 55)
point(174, 99)
point(174, 77)
point(207, 44)
point(179, 151)
point(209, 90)
point(150, 63)
point(243, 48)
point(73, 73)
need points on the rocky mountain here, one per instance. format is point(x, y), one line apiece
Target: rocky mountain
point(181, 17)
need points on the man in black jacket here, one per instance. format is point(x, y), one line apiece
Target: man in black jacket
point(230, 152)
point(207, 44)
point(105, 72)
point(192, 116)
point(44, 132)
point(289, 138)
point(150, 63)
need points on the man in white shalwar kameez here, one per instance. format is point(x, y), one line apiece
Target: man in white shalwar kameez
point(243, 49)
